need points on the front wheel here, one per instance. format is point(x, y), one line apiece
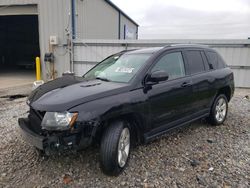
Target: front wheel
point(219, 110)
point(115, 148)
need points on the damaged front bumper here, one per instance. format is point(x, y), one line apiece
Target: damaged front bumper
point(57, 141)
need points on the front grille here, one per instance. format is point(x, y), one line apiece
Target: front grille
point(35, 118)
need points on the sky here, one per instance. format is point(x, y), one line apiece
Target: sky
point(189, 19)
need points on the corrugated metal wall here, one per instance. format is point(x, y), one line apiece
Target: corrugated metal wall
point(235, 52)
point(54, 18)
point(96, 20)
point(129, 25)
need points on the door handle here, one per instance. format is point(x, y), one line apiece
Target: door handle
point(186, 84)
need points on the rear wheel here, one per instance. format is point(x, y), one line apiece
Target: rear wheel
point(115, 148)
point(219, 110)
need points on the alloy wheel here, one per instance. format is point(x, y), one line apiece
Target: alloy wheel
point(220, 110)
point(123, 147)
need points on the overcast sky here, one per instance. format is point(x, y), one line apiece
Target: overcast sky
point(189, 19)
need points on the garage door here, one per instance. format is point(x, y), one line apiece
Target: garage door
point(19, 44)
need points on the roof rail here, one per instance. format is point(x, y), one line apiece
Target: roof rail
point(187, 44)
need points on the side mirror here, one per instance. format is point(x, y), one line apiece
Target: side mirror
point(158, 76)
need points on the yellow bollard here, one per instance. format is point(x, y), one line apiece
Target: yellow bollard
point(38, 68)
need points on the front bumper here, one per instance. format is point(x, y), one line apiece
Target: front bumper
point(56, 142)
point(30, 136)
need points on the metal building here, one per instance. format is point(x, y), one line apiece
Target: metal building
point(30, 28)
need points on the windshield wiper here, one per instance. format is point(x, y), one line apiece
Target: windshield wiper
point(103, 79)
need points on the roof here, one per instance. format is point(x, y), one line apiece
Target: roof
point(119, 10)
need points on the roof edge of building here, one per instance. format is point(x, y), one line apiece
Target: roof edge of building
point(119, 10)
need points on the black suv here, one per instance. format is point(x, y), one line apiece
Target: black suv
point(130, 97)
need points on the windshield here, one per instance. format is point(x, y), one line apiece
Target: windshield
point(118, 68)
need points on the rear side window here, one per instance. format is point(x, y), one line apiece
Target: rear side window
point(215, 61)
point(212, 59)
point(172, 63)
point(195, 62)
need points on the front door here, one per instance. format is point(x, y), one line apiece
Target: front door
point(169, 100)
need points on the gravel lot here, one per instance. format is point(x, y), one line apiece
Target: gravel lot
point(195, 156)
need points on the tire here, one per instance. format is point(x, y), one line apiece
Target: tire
point(219, 110)
point(115, 144)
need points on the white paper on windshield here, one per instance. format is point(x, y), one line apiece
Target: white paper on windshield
point(124, 69)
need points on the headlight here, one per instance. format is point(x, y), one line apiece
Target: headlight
point(58, 120)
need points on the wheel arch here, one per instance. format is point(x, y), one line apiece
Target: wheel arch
point(135, 123)
point(227, 91)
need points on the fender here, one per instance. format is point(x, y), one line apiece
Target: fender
point(132, 102)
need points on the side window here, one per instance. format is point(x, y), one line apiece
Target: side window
point(195, 61)
point(173, 64)
point(212, 59)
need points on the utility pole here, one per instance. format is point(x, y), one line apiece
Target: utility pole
point(73, 32)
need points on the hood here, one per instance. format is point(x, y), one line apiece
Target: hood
point(54, 84)
point(64, 93)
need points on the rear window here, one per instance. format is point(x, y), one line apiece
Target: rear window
point(195, 62)
point(215, 61)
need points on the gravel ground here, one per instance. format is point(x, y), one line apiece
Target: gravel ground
point(195, 156)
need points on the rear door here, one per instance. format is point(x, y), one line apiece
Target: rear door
point(202, 80)
point(169, 100)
